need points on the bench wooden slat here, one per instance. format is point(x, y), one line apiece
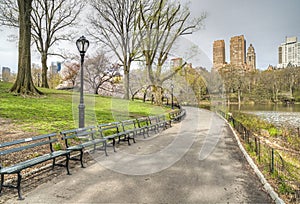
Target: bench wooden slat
point(85, 129)
point(80, 134)
point(32, 162)
point(17, 149)
point(20, 141)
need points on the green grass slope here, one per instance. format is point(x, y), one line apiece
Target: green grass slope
point(58, 110)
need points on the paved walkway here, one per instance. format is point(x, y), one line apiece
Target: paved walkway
point(195, 161)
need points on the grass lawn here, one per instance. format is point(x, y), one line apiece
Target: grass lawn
point(58, 110)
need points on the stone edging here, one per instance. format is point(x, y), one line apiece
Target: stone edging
point(261, 177)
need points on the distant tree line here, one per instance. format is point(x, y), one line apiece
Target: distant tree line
point(269, 86)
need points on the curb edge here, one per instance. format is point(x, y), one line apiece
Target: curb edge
point(261, 177)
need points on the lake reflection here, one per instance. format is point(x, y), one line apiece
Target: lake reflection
point(279, 115)
point(269, 107)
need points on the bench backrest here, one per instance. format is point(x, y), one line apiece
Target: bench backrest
point(28, 147)
point(161, 118)
point(177, 114)
point(107, 129)
point(129, 124)
point(152, 120)
point(142, 122)
point(27, 143)
point(86, 133)
point(174, 113)
point(75, 136)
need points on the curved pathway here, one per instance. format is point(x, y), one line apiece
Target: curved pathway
point(195, 161)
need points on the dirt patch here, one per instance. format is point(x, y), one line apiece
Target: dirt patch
point(10, 131)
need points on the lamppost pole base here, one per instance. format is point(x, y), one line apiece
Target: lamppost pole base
point(81, 108)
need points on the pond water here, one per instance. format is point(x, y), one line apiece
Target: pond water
point(268, 107)
point(279, 115)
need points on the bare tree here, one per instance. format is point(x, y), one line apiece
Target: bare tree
point(161, 23)
point(139, 83)
point(24, 84)
point(36, 71)
point(100, 72)
point(49, 18)
point(9, 13)
point(115, 26)
point(71, 72)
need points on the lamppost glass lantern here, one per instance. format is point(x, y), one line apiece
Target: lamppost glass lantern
point(82, 45)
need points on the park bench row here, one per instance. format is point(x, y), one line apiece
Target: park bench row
point(177, 115)
point(48, 147)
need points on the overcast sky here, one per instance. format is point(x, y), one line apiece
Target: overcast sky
point(264, 23)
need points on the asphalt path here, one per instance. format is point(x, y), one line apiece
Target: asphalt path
point(195, 161)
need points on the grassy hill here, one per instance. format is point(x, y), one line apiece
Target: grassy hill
point(58, 110)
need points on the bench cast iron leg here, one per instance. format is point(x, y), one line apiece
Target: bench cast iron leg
point(81, 158)
point(104, 144)
point(53, 163)
point(2, 181)
point(128, 138)
point(134, 134)
point(94, 147)
point(67, 163)
point(19, 186)
point(114, 144)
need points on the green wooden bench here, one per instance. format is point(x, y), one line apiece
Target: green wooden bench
point(177, 115)
point(33, 153)
point(130, 129)
point(82, 138)
point(142, 123)
point(152, 124)
point(109, 131)
point(163, 122)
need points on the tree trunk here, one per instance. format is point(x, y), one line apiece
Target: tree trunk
point(126, 83)
point(44, 71)
point(96, 89)
point(157, 93)
point(239, 98)
point(24, 84)
point(275, 94)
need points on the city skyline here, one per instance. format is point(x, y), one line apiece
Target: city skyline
point(265, 24)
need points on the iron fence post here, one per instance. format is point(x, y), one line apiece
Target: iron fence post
point(259, 150)
point(272, 161)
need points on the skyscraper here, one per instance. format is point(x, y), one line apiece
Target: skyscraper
point(238, 57)
point(218, 54)
point(289, 53)
point(238, 51)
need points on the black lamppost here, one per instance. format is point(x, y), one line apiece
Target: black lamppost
point(82, 44)
point(172, 95)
